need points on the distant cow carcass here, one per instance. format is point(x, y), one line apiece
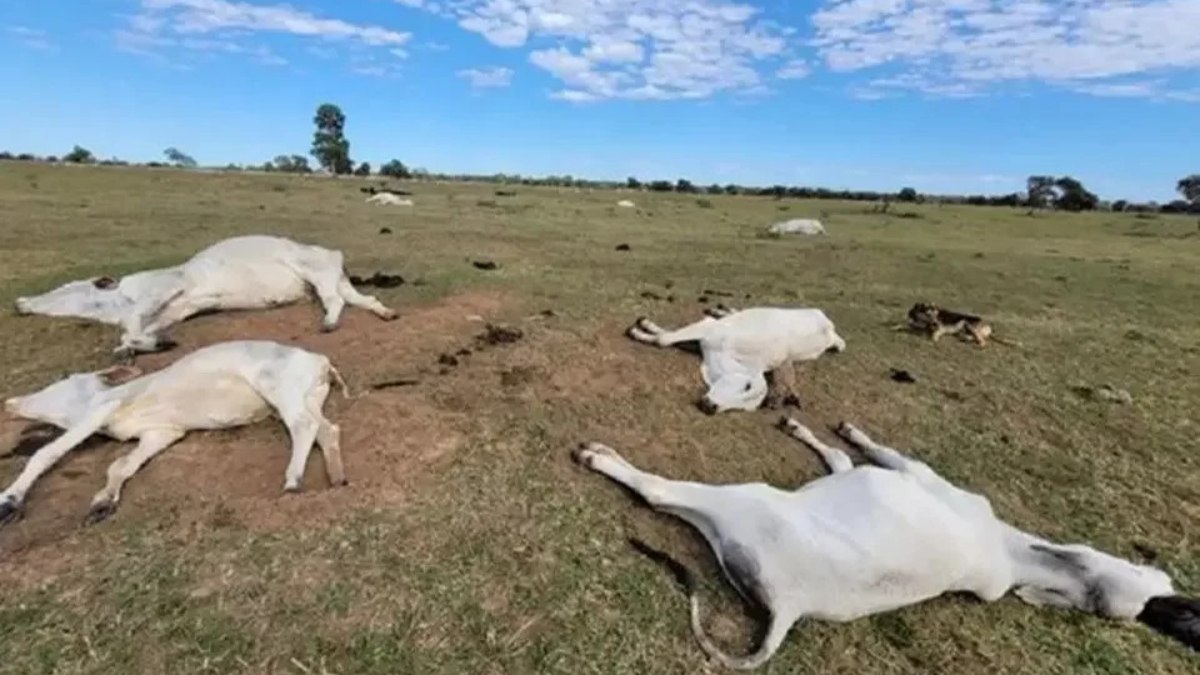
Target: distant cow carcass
point(251, 272)
point(625, 204)
point(797, 226)
point(371, 189)
point(225, 385)
point(388, 199)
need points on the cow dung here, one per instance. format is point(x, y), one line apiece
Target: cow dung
point(622, 247)
point(485, 265)
point(496, 335)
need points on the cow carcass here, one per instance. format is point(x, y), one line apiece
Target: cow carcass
point(249, 272)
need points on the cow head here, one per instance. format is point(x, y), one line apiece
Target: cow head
point(99, 299)
point(733, 389)
point(68, 400)
point(1092, 581)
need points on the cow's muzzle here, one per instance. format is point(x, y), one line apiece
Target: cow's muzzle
point(706, 406)
point(22, 306)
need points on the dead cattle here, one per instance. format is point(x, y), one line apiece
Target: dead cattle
point(225, 385)
point(251, 272)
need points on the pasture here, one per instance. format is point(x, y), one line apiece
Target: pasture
point(468, 542)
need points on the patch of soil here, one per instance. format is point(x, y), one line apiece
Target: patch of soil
point(389, 437)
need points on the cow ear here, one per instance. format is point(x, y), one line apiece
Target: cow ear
point(115, 375)
point(1061, 558)
point(104, 283)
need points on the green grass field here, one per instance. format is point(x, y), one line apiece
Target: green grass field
point(468, 542)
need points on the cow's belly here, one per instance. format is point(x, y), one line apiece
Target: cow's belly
point(217, 403)
point(245, 285)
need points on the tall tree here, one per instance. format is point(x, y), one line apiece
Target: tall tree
point(330, 147)
point(1189, 187)
point(395, 169)
point(179, 158)
point(1040, 190)
point(292, 164)
point(79, 155)
point(1072, 196)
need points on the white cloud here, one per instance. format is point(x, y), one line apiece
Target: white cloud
point(482, 78)
point(963, 47)
point(33, 38)
point(164, 28)
point(795, 69)
point(633, 49)
point(574, 96)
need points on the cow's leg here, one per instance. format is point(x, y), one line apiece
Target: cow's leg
point(104, 504)
point(147, 316)
point(135, 338)
point(689, 501)
point(368, 302)
point(326, 287)
point(783, 387)
point(646, 331)
point(720, 311)
point(880, 454)
point(328, 435)
point(303, 427)
point(47, 456)
point(174, 311)
point(837, 460)
point(13, 497)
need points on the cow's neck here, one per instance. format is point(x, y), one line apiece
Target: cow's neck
point(1045, 570)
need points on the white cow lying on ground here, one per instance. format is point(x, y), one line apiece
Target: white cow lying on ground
point(217, 387)
point(798, 226)
point(740, 348)
point(625, 204)
point(388, 199)
point(870, 539)
point(251, 272)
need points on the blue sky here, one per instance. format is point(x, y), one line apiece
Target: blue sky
point(957, 96)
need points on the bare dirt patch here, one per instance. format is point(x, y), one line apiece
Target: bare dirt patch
point(390, 438)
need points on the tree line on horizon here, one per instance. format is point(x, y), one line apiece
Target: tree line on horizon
point(331, 149)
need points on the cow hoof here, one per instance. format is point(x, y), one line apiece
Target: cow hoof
point(125, 355)
point(587, 453)
point(10, 511)
point(389, 316)
point(291, 489)
point(100, 511)
point(328, 327)
point(641, 324)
